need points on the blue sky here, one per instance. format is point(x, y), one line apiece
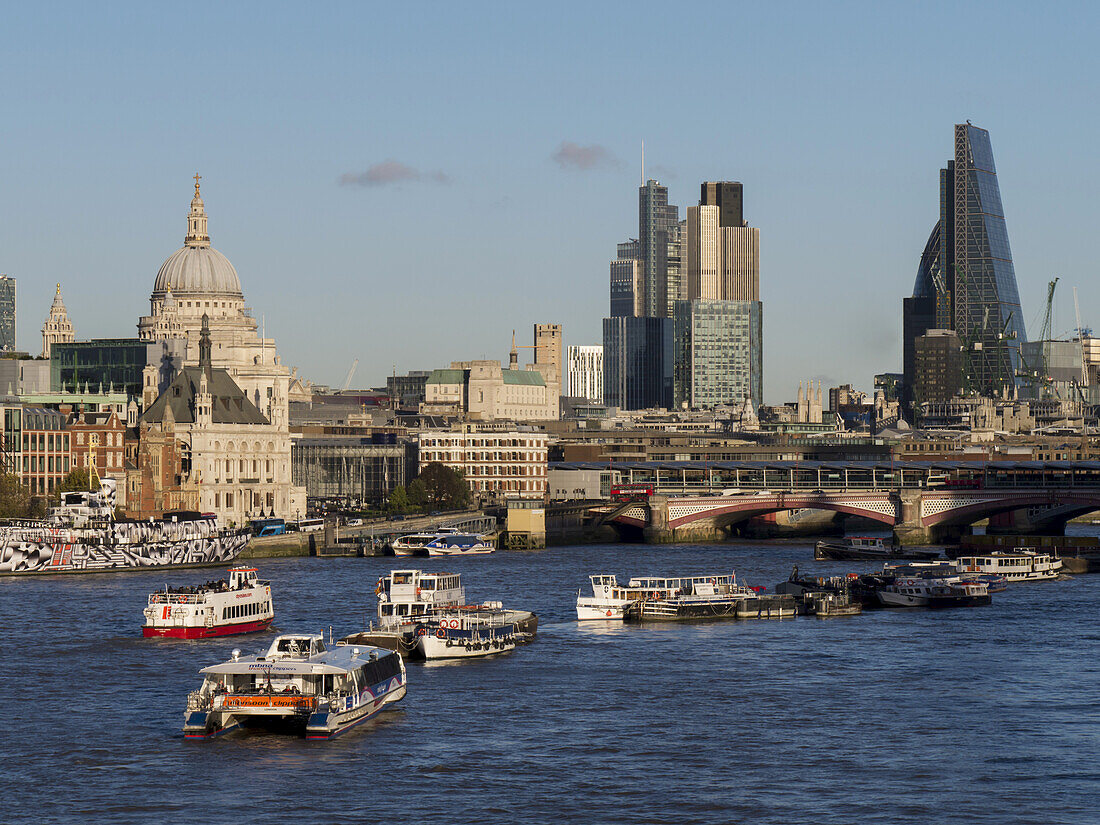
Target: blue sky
point(837, 118)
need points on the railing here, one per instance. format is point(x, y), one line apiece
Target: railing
point(177, 598)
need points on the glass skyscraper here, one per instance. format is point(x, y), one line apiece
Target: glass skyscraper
point(966, 281)
point(719, 356)
point(7, 313)
point(638, 359)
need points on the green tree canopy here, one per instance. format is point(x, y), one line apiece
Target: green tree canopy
point(418, 493)
point(15, 497)
point(76, 479)
point(399, 500)
point(445, 487)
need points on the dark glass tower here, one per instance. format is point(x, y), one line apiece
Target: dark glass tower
point(966, 281)
point(7, 313)
point(655, 220)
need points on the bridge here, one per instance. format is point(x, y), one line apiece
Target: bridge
point(923, 502)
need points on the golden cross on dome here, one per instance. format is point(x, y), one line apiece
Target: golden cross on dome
point(197, 177)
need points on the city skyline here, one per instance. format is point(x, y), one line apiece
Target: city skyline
point(387, 221)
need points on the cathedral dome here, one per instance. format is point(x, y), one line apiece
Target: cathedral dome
point(197, 268)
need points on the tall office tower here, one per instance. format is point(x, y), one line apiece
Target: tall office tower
point(638, 362)
point(7, 312)
point(722, 253)
point(719, 327)
point(655, 220)
point(718, 352)
point(548, 350)
point(966, 281)
point(626, 288)
point(585, 365)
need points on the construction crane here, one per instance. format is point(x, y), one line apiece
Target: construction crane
point(1044, 338)
point(351, 373)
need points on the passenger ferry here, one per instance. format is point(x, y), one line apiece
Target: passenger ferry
point(1021, 565)
point(412, 603)
point(929, 591)
point(240, 604)
point(662, 598)
point(466, 632)
point(82, 536)
point(297, 685)
point(443, 542)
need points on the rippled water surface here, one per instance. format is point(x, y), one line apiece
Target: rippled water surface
point(976, 715)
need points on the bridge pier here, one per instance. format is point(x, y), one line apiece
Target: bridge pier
point(1021, 523)
point(910, 532)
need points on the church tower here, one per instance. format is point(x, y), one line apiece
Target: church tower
point(58, 329)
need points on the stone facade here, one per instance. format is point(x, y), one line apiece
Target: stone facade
point(58, 328)
point(497, 465)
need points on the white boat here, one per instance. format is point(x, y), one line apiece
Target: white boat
point(458, 544)
point(467, 632)
point(1020, 565)
point(866, 547)
point(609, 599)
point(411, 544)
point(82, 536)
point(412, 603)
point(933, 591)
point(296, 685)
point(443, 542)
point(240, 604)
point(662, 598)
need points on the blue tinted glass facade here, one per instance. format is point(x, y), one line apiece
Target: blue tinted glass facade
point(637, 362)
point(987, 312)
point(719, 352)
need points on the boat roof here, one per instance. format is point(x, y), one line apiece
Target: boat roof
point(334, 661)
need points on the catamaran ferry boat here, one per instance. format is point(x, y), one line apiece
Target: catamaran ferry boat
point(443, 542)
point(657, 599)
point(412, 603)
point(82, 536)
point(297, 685)
point(1021, 565)
point(239, 604)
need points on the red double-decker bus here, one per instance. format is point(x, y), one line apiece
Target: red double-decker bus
point(630, 492)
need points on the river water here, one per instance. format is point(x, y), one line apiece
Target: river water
point(974, 715)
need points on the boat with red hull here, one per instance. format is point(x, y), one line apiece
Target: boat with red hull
point(240, 604)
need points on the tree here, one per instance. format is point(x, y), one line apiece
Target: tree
point(76, 479)
point(418, 493)
point(445, 487)
point(15, 497)
point(399, 500)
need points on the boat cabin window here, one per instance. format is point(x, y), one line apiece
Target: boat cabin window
point(379, 670)
point(402, 578)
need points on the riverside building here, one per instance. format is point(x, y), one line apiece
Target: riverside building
point(496, 464)
point(231, 410)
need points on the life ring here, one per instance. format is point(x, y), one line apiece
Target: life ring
point(422, 631)
point(442, 624)
point(441, 634)
point(454, 624)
